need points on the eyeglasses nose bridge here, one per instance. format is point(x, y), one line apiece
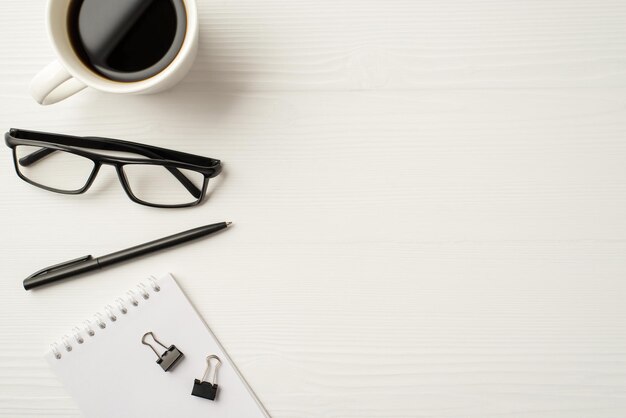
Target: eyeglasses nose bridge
point(120, 176)
point(119, 168)
point(94, 174)
point(96, 170)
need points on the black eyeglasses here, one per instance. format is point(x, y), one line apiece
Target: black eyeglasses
point(65, 164)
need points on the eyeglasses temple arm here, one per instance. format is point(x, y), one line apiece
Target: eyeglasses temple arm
point(33, 157)
point(191, 188)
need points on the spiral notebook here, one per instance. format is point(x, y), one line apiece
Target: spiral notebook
point(110, 373)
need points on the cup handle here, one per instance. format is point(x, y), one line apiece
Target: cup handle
point(53, 84)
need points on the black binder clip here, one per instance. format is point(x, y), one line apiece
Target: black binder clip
point(204, 389)
point(169, 358)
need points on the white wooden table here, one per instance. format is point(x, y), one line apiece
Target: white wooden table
point(429, 198)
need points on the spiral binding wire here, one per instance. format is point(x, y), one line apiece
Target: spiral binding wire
point(109, 311)
point(81, 335)
point(120, 305)
point(55, 350)
point(90, 332)
point(79, 338)
point(66, 343)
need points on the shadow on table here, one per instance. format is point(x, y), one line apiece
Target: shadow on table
point(207, 91)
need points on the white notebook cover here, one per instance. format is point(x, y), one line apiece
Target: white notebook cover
point(111, 374)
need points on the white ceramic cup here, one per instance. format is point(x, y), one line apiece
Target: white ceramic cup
point(68, 75)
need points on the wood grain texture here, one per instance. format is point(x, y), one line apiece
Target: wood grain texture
point(429, 201)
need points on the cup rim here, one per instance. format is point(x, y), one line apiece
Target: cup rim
point(79, 71)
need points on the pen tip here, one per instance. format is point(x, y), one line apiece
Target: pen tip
point(229, 223)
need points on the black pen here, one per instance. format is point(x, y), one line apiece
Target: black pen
point(88, 263)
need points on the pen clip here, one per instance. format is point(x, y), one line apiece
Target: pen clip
point(60, 266)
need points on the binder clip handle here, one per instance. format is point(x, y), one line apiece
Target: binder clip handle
point(208, 369)
point(143, 341)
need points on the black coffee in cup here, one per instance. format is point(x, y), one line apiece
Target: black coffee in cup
point(127, 40)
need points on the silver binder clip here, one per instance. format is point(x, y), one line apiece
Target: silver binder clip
point(203, 388)
point(169, 358)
